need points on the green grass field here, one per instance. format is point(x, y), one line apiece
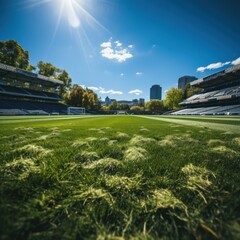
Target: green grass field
point(120, 177)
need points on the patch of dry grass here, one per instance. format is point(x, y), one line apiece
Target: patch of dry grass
point(139, 141)
point(107, 165)
point(214, 142)
point(162, 199)
point(122, 135)
point(176, 140)
point(223, 150)
point(80, 143)
point(198, 179)
point(112, 142)
point(122, 183)
point(237, 141)
point(20, 168)
point(32, 150)
point(136, 154)
point(86, 156)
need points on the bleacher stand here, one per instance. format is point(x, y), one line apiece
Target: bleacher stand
point(220, 95)
point(17, 99)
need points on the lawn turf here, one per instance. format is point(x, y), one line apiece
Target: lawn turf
point(118, 177)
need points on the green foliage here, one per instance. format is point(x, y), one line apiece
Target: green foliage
point(173, 97)
point(113, 105)
point(49, 70)
point(80, 97)
point(190, 91)
point(156, 106)
point(136, 109)
point(123, 107)
point(105, 108)
point(11, 53)
point(64, 77)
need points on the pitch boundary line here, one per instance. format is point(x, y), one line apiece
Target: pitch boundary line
point(214, 126)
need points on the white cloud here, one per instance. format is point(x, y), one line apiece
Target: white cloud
point(122, 74)
point(236, 61)
point(104, 91)
point(114, 53)
point(130, 46)
point(136, 92)
point(212, 66)
point(111, 91)
point(93, 88)
point(118, 43)
point(218, 65)
point(83, 86)
point(201, 69)
point(139, 73)
point(106, 44)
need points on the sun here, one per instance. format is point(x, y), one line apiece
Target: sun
point(79, 16)
point(71, 9)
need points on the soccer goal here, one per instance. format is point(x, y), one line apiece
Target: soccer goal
point(76, 111)
point(121, 112)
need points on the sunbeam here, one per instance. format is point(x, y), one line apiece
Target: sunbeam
point(70, 10)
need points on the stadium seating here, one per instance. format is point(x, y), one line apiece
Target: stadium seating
point(220, 94)
point(30, 93)
point(216, 110)
point(22, 107)
point(26, 93)
point(226, 93)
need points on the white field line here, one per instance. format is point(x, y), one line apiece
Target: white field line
point(50, 119)
point(214, 126)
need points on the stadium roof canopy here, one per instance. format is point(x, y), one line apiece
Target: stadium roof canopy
point(225, 77)
point(9, 72)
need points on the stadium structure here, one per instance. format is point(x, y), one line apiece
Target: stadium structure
point(220, 95)
point(26, 93)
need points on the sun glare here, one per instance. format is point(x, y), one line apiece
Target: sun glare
point(69, 9)
point(78, 15)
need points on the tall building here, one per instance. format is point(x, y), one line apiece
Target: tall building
point(107, 101)
point(183, 81)
point(141, 102)
point(156, 92)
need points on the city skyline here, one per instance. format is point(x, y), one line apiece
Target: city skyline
point(121, 48)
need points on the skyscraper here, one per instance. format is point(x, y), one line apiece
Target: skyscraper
point(156, 92)
point(182, 81)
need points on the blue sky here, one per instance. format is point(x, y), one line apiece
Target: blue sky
point(122, 47)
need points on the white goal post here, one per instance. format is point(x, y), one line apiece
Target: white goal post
point(76, 111)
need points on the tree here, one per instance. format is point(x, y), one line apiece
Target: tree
point(173, 97)
point(85, 100)
point(11, 53)
point(105, 108)
point(113, 105)
point(49, 70)
point(75, 97)
point(123, 106)
point(155, 106)
point(64, 77)
point(79, 97)
point(93, 100)
point(190, 91)
point(136, 109)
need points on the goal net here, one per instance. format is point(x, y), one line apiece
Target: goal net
point(76, 110)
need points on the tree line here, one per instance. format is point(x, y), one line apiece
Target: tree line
point(11, 53)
